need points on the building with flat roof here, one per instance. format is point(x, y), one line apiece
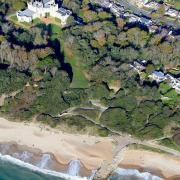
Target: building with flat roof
point(43, 8)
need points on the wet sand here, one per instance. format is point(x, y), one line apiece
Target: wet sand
point(90, 150)
point(35, 156)
point(163, 165)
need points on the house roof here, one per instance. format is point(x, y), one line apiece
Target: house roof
point(45, 1)
point(159, 74)
point(27, 13)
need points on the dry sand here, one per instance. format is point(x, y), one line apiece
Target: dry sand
point(90, 150)
point(164, 165)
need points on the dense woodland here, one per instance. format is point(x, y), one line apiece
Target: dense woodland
point(55, 68)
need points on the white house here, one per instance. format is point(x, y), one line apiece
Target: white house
point(43, 8)
point(138, 66)
point(103, 3)
point(153, 28)
point(141, 3)
point(152, 5)
point(158, 76)
point(116, 9)
point(134, 18)
point(172, 12)
point(173, 82)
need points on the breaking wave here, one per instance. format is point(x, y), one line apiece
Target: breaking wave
point(43, 164)
point(129, 174)
point(74, 168)
point(38, 169)
point(24, 156)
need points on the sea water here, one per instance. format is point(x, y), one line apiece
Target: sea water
point(15, 169)
point(74, 168)
point(132, 174)
point(9, 171)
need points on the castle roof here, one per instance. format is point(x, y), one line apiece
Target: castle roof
point(26, 12)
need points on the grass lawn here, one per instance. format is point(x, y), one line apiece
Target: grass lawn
point(79, 79)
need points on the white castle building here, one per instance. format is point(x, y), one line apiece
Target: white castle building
point(43, 8)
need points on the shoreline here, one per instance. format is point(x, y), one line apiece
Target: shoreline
point(17, 162)
point(16, 151)
point(162, 165)
point(141, 169)
point(91, 151)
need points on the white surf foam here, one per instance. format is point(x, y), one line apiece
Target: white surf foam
point(4, 148)
point(44, 161)
point(24, 156)
point(74, 168)
point(136, 173)
point(92, 175)
point(37, 169)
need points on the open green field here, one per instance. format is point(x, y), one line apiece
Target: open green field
point(79, 80)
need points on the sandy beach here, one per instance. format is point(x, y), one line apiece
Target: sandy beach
point(162, 165)
point(90, 150)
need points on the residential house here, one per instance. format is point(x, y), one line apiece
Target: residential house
point(116, 9)
point(145, 21)
point(138, 66)
point(133, 18)
point(126, 14)
point(102, 3)
point(173, 82)
point(172, 12)
point(141, 3)
point(158, 76)
point(152, 5)
point(153, 28)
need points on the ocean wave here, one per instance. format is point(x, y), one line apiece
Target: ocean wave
point(92, 175)
point(38, 169)
point(74, 168)
point(43, 164)
point(121, 173)
point(24, 156)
